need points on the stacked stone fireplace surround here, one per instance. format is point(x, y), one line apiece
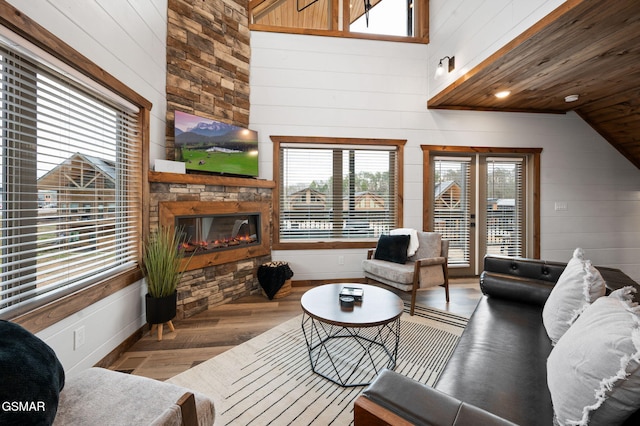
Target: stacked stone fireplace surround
point(208, 56)
point(202, 288)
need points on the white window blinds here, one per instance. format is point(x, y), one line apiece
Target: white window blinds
point(336, 192)
point(505, 206)
point(70, 184)
point(452, 206)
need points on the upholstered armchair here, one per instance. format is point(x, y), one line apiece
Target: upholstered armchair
point(424, 268)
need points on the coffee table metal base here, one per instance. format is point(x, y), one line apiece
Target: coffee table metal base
point(351, 356)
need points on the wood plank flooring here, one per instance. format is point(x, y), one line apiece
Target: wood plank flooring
point(220, 328)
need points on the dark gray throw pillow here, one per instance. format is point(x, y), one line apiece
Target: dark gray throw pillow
point(392, 248)
point(31, 378)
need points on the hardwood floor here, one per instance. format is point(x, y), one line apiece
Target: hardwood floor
point(220, 328)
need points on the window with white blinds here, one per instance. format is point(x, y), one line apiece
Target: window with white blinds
point(70, 183)
point(337, 192)
point(505, 206)
point(452, 206)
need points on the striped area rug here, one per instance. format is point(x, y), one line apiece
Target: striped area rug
point(438, 315)
point(268, 380)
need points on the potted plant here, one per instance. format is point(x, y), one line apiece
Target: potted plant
point(161, 261)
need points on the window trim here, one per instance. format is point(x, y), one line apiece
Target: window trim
point(23, 26)
point(421, 23)
point(329, 245)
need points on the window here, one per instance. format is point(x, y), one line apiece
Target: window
point(385, 17)
point(70, 182)
point(398, 20)
point(452, 208)
point(337, 192)
point(505, 211)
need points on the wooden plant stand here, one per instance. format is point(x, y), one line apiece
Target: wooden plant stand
point(160, 327)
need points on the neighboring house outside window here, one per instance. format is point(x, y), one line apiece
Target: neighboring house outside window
point(336, 192)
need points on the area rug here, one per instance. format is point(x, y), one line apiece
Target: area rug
point(268, 380)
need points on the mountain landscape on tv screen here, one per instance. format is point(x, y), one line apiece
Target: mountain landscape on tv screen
point(213, 146)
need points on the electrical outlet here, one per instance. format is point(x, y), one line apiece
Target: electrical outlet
point(78, 338)
point(561, 206)
point(340, 260)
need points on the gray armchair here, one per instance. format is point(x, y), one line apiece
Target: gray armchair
point(426, 268)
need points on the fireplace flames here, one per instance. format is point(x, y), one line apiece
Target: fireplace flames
point(192, 246)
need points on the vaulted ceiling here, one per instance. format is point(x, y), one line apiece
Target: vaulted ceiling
point(589, 48)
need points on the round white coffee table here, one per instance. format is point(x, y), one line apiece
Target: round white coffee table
point(350, 345)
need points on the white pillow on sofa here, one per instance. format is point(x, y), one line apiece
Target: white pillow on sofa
point(593, 372)
point(579, 285)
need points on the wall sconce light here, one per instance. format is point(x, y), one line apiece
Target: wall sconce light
point(451, 66)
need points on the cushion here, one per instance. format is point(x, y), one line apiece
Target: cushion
point(593, 372)
point(395, 274)
point(32, 377)
point(392, 248)
point(579, 285)
point(413, 240)
point(430, 245)
point(97, 396)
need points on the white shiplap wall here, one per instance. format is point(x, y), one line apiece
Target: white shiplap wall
point(128, 40)
point(320, 86)
point(471, 30)
point(125, 38)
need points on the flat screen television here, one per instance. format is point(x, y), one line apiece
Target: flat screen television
point(206, 145)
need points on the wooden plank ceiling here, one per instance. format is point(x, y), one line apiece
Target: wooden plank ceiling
point(589, 48)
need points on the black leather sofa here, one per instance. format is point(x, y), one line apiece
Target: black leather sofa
point(497, 373)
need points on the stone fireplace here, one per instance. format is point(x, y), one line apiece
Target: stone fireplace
point(215, 208)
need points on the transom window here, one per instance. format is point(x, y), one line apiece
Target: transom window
point(399, 20)
point(70, 183)
point(384, 17)
point(342, 192)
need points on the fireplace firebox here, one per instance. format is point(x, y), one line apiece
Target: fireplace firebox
point(218, 232)
point(202, 234)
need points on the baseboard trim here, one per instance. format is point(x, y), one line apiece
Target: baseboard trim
point(122, 348)
point(312, 283)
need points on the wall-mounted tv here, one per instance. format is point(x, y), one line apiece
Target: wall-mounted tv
point(206, 145)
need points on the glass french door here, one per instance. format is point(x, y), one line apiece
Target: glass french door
point(504, 216)
point(479, 207)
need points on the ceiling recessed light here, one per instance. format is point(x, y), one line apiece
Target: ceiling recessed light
point(503, 94)
point(571, 98)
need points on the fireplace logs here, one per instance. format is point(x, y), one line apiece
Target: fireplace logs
point(200, 246)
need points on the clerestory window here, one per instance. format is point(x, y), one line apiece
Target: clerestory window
point(398, 20)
